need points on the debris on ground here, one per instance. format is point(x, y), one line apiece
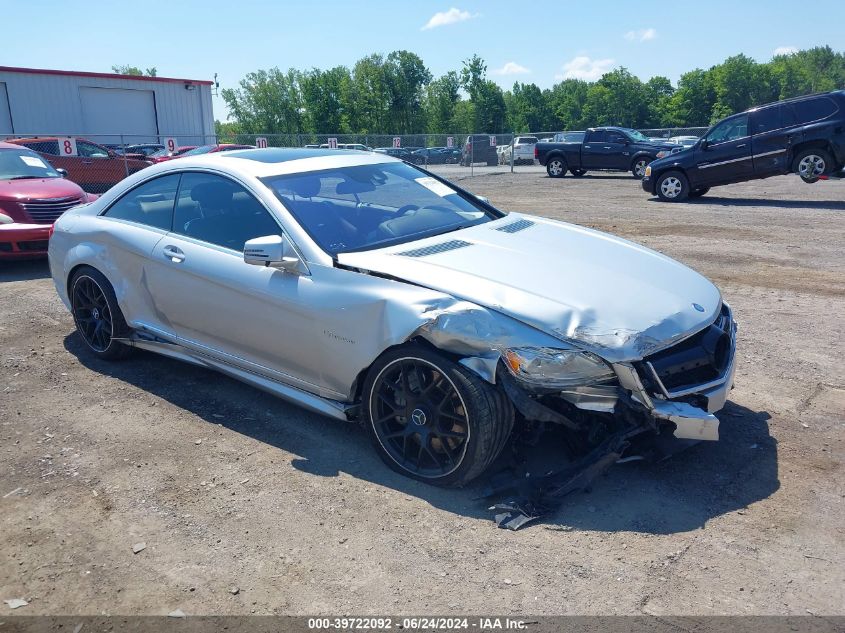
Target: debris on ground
point(139, 547)
point(178, 613)
point(14, 603)
point(234, 590)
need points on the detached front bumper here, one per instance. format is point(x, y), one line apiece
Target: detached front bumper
point(18, 241)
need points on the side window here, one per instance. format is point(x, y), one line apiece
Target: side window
point(765, 120)
point(90, 150)
point(615, 137)
point(729, 130)
point(150, 204)
point(220, 211)
point(814, 109)
point(45, 147)
point(596, 136)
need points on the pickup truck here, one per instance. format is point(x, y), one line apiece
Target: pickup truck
point(603, 148)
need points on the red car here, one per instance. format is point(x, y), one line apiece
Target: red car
point(95, 168)
point(32, 196)
point(163, 155)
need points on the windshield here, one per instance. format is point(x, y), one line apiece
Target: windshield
point(21, 163)
point(202, 149)
point(372, 206)
point(635, 135)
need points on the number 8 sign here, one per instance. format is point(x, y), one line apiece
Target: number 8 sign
point(67, 146)
point(170, 145)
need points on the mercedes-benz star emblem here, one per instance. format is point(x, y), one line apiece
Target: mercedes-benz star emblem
point(418, 416)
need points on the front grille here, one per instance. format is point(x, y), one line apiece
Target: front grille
point(700, 360)
point(451, 245)
point(48, 211)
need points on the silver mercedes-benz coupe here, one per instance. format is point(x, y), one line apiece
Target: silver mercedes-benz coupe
point(368, 289)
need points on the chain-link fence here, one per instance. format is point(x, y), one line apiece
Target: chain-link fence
point(98, 162)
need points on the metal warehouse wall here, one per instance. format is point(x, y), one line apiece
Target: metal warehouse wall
point(52, 104)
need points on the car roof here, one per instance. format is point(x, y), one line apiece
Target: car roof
point(839, 93)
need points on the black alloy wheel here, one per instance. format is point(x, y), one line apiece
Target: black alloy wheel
point(97, 315)
point(419, 418)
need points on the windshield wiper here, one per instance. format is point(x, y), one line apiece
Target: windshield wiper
point(28, 177)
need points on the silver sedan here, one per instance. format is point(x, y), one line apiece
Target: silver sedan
point(367, 289)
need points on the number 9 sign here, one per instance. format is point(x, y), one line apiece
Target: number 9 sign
point(170, 145)
point(67, 146)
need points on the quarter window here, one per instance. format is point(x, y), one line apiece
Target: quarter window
point(45, 147)
point(89, 150)
point(150, 204)
point(814, 109)
point(219, 211)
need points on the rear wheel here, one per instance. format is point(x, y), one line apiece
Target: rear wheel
point(672, 186)
point(434, 420)
point(97, 316)
point(638, 167)
point(697, 193)
point(556, 167)
point(812, 163)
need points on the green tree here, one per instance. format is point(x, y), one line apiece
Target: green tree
point(267, 101)
point(324, 98)
point(440, 104)
point(486, 96)
point(405, 76)
point(134, 70)
point(527, 108)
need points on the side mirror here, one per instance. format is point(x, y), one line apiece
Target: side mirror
point(62, 172)
point(702, 144)
point(274, 251)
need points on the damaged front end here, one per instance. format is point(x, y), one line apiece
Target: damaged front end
point(602, 405)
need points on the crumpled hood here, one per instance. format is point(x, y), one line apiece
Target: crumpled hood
point(619, 299)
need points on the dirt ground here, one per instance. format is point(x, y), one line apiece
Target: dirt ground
point(246, 504)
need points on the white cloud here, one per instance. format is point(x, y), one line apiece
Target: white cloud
point(452, 16)
point(785, 50)
point(582, 67)
point(641, 35)
point(511, 68)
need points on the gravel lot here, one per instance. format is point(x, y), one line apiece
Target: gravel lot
point(248, 505)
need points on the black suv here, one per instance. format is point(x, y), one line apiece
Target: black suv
point(805, 135)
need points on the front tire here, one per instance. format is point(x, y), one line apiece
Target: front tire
point(98, 318)
point(811, 164)
point(556, 167)
point(434, 420)
point(638, 167)
point(672, 186)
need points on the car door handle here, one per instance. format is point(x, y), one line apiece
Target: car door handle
point(607, 147)
point(586, 147)
point(741, 145)
point(174, 254)
point(87, 162)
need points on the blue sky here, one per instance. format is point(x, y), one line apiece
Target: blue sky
point(538, 42)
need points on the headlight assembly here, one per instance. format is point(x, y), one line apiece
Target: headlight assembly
point(556, 368)
point(648, 170)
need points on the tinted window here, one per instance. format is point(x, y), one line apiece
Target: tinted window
point(596, 136)
point(729, 130)
point(814, 109)
point(787, 115)
point(766, 120)
point(219, 211)
point(46, 147)
point(615, 137)
point(150, 204)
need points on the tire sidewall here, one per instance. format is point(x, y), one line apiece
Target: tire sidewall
point(640, 159)
point(825, 156)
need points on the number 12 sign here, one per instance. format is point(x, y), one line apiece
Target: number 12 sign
point(397, 141)
point(67, 146)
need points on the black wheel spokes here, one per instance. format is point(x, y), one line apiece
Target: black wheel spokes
point(419, 418)
point(92, 314)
